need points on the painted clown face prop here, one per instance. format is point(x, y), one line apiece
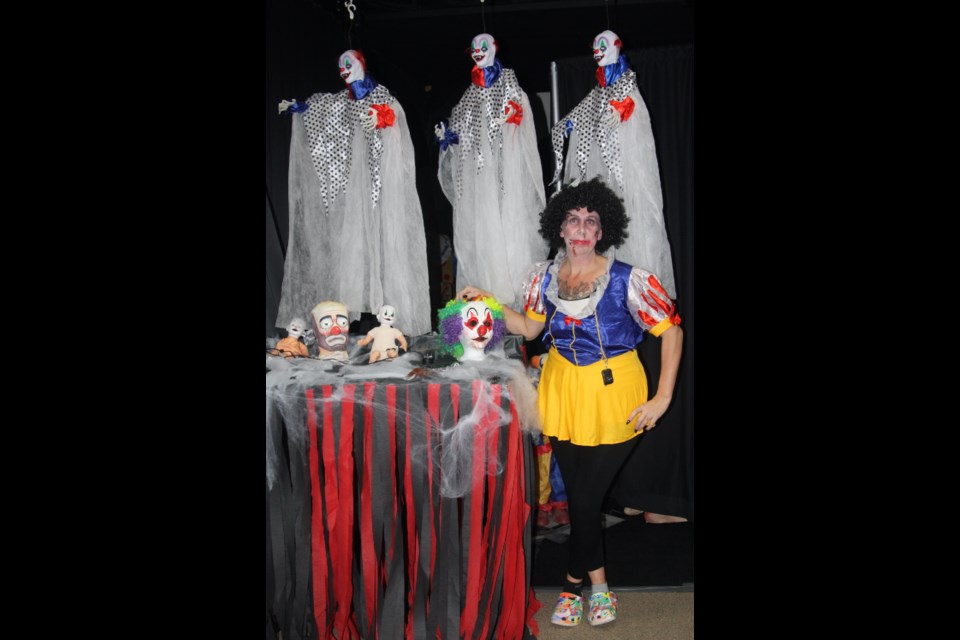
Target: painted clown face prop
point(606, 48)
point(471, 329)
point(331, 325)
point(477, 322)
point(351, 66)
point(483, 49)
point(387, 315)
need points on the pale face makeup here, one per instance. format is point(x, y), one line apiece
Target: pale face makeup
point(477, 330)
point(483, 50)
point(581, 231)
point(351, 69)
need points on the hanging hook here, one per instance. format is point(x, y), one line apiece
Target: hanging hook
point(350, 9)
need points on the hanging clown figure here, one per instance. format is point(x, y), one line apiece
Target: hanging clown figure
point(471, 329)
point(331, 326)
point(490, 171)
point(356, 228)
point(611, 137)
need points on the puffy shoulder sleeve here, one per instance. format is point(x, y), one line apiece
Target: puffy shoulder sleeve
point(531, 292)
point(649, 303)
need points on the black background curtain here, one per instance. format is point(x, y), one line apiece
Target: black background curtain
point(420, 55)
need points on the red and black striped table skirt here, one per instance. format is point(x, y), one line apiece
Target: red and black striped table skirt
point(404, 512)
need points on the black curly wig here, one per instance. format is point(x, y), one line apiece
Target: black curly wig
point(593, 195)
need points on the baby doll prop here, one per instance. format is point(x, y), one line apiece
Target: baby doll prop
point(489, 170)
point(471, 328)
point(353, 200)
point(291, 346)
point(611, 137)
point(331, 326)
point(384, 337)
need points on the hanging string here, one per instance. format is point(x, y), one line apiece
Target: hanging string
point(606, 5)
point(483, 16)
point(350, 9)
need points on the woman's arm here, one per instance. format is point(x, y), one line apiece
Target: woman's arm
point(671, 347)
point(516, 322)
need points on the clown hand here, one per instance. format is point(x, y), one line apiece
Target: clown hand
point(610, 117)
point(286, 104)
point(509, 112)
point(440, 131)
point(369, 120)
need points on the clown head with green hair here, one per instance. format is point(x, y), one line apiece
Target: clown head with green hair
point(471, 328)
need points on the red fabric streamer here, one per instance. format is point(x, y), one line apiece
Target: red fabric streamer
point(318, 545)
point(342, 536)
point(413, 542)
point(432, 421)
point(475, 557)
point(368, 560)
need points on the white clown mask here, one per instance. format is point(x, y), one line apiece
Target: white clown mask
point(297, 328)
point(483, 48)
point(606, 48)
point(477, 330)
point(351, 67)
point(331, 325)
point(387, 315)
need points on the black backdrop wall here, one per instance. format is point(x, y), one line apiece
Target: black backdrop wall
point(417, 49)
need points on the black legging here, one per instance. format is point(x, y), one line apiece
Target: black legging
point(587, 474)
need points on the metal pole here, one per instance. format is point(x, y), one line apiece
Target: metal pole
point(555, 110)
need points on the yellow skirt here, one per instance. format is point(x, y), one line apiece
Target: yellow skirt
point(575, 405)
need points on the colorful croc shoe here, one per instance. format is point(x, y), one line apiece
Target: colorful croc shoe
point(569, 610)
point(603, 608)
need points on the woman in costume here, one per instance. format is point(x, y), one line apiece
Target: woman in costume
point(593, 390)
point(356, 228)
point(490, 171)
point(611, 137)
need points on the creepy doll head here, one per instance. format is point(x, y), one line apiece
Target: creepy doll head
point(387, 315)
